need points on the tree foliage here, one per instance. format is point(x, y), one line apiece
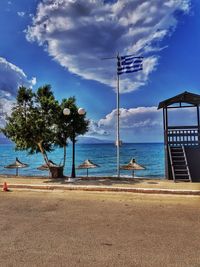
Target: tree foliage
point(37, 123)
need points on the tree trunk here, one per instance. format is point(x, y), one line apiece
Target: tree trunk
point(56, 172)
point(43, 153)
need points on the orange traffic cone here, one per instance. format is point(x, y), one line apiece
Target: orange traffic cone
point(5, 187)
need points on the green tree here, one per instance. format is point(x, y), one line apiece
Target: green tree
point(37, 123)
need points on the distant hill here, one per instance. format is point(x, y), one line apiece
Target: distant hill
point(4, 140)
point(92, 140)
point(81, 140)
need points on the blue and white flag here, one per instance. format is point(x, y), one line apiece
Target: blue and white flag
point(128, 64)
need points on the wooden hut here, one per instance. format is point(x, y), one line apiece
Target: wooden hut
point(182, 143)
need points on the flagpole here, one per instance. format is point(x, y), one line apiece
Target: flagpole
point(118, 133)
point(130, 63)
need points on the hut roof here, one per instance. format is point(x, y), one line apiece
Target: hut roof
point(87, 164)
point(185, 97)
point(132, 165)
point(16, 164)
point(44, 167)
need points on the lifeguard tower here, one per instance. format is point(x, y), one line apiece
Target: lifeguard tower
point(182, 143)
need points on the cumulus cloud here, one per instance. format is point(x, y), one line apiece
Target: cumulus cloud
point(133, 118)
point(133, 122)
point(11, 77)
point(96, 130)
point(141, 123)
point(78, 33)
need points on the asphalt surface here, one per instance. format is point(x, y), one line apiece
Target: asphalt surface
point(98, 229)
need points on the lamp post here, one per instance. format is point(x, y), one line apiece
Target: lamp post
point(67, 112)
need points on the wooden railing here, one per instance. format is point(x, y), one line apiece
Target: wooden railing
point(183, 136)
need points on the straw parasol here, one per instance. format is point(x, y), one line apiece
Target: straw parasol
point(45, 167)
point(87, 164)
point(132, 165)
point(16, 165)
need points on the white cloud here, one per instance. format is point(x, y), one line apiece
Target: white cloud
point(141, 124)
point(33, 81)
point(78, 33)
point(96, 130)
point(11, 77)
point(21, 13)
point(133, 118)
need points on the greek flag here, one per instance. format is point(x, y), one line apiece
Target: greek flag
point(128, 64)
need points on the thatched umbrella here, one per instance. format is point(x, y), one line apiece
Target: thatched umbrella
point(16, 165)
point(132, 165)
point(45, 167)
point(87, 164)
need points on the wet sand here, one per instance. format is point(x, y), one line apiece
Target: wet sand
point(98, 229)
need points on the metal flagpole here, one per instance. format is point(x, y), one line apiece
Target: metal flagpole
point(118, 116)
point(130, 64)
point(118, 134)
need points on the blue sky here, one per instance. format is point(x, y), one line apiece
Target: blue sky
point(61, 42)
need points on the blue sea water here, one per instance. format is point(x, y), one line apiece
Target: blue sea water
point(150, 155)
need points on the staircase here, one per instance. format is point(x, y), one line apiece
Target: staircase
point(179, 165)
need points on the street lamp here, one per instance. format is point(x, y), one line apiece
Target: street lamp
point(66, 112)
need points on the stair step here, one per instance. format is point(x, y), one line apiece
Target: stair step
point(181, 166)
point(183, 175)
point(183, 180)
point(180, 170)
point(179, 163)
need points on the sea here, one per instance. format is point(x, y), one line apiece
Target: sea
point(149, 155)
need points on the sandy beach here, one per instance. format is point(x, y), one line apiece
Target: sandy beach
point(98, 229)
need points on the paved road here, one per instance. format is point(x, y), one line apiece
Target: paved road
point(98, 229)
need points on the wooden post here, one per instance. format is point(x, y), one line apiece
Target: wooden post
point(198, 123)
point(165, 124)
